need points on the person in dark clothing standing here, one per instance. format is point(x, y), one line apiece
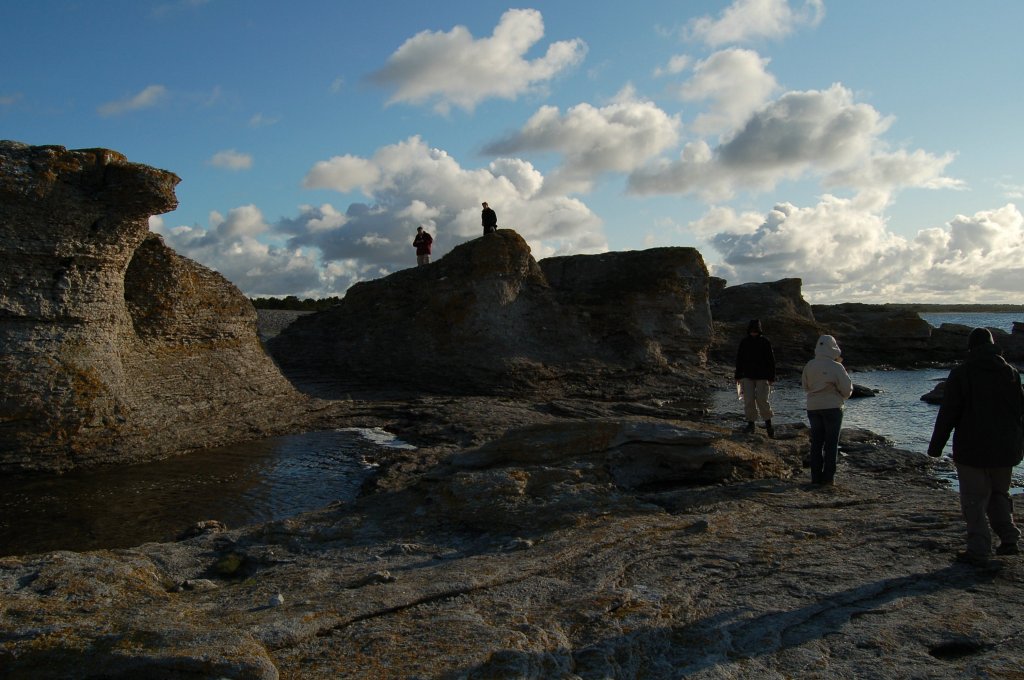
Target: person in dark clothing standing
point(422, 243)
point(755, 374)
point(489, 219)
point(983, 406)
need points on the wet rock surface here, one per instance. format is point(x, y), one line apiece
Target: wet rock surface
point(540, 554)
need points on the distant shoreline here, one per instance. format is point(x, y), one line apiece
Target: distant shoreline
point(962, 308)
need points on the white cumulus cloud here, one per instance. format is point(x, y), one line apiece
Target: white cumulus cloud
point(747, 20)
point(844, 250)
point(618, 137)
point(410, 184)
point(454, 69)
point(230, 246)
point(323, 250)
point(735, 82)
point(817, 133)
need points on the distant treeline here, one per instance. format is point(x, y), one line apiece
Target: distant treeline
point(318, 304)
point(971, 308)
point(292, 302)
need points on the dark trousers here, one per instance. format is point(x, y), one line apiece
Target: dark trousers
point(985, 502)
point(825, 426)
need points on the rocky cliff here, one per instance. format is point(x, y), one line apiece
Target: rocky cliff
point(113, 347)
point(487, 318)
point(785, 316)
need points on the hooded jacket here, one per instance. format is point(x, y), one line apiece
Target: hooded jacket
point(824, 379)
point(983, 406)
point(755, 359)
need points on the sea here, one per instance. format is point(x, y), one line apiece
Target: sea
point(119, 507)
point(897, 411)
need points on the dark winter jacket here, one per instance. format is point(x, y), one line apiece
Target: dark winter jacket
point(983, 407)
point(489, 220)
point(755, 359)
point(423, 243)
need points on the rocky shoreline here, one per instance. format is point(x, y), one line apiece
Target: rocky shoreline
point(554, 551)
point(573, 510)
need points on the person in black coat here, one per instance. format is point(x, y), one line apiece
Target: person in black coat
point(488, 218)
point(755, 374)
point(423, 244)
point(983, 406)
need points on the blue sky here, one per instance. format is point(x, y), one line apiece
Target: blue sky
point(871, 148)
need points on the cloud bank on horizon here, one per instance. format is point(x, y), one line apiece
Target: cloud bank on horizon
point(751, 137)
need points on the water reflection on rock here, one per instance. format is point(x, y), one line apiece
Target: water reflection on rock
point(124, 506)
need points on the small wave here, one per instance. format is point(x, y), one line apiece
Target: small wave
point(379, 436)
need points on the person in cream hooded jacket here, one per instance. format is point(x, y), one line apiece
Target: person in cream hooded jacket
point(828, 386)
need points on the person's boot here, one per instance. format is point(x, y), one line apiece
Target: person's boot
point(750, 427)
point(769, 429)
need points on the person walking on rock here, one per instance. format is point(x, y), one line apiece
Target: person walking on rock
point(489, 219)
point(423, 243)
point(828, 386)
point(755, 374)
point(983, 407)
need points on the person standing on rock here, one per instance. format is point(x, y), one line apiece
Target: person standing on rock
point(828, 386)
point(755, 374)
point(983, 407)
point(423, 243)
point(489, 219)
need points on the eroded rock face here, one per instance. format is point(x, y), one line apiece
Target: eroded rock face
point(487, 318)
point(948, 343)
point(874, 335)
point(785, 316)
point(113, 347)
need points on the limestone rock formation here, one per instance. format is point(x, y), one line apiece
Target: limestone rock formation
point(876, 335)
point(786, 317)
point(948, 343)
point(487, 318)
point(113, 347)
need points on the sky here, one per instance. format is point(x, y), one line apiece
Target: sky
point(871, 148)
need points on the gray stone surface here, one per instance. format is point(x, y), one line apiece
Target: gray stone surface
point(526, 559)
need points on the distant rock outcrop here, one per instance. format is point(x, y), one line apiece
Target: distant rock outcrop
point(112, 347)
point(948, 343)
point(487, 318)
point(785, 316)
point(877, 335)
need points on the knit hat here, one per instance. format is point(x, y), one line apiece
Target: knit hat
point(978, 337)
point(754, 326)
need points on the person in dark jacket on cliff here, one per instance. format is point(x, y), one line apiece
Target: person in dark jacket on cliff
point(489, 219)
point(755, 374)
point(422, 243)
point(983, 406)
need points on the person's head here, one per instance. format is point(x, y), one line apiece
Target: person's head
point(979, 337)
point(419, 229)
point(827, 347)
point(754, 327)
point(484, 204)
